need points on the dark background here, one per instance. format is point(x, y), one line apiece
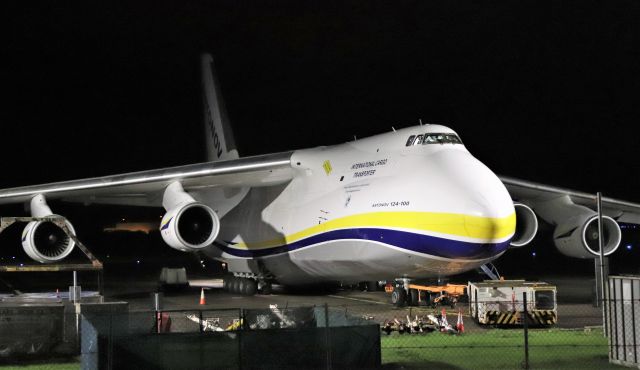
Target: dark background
point(546, 91)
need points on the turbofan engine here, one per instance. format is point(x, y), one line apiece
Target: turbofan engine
point(526, 226)
point(578, 237)
point(190, 227)
point(46, 242)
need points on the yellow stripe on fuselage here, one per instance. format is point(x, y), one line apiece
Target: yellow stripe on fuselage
point(486, 228)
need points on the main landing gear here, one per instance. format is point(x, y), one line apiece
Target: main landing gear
point(245, 285)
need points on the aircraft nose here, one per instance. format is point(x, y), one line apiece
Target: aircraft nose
point(479, 194)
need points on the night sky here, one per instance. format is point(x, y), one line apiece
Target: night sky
point(546, 91)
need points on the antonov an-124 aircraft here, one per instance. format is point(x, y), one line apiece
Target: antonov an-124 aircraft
point(411, 203)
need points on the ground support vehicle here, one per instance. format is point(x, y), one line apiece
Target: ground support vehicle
point(430, 295)
point(500, 302)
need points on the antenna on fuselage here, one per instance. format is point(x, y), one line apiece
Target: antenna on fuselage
point(420, 120)
point(355, 138)
point(393, 128)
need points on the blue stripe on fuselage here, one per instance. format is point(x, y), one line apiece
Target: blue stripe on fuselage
point(431, 245)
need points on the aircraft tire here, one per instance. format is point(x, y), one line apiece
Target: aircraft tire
point(250, 287)
point(241, 285)
point(413, 297)
point(225, 283)
point(399, 297)
point(234, 285)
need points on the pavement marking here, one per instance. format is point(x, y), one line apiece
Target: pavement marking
point(357, 299)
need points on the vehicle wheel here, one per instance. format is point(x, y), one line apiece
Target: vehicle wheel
point(225, 284)
point(250, 287)
point(413, 298)
point(399, 297)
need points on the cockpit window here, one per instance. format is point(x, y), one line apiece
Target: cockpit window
point(433, 138)
point(441, 139)
point(410, 141)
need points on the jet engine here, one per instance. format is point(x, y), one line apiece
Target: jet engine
point(190, 226)
point(578, 237)
point(46, 242)
point(526, 226)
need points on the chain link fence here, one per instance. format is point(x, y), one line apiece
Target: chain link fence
point(360, 334)
point(409, 337)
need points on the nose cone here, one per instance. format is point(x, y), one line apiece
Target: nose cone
point(464, 186)
point(479, 192)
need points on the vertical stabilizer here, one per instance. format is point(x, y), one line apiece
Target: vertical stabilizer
point(219, 138)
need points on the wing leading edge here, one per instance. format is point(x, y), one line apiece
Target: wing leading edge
point(145, 188)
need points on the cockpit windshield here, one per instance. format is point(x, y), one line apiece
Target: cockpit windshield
point(433, 138)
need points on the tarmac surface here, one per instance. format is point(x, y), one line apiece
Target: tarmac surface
point(136, 287)
point(575, 308)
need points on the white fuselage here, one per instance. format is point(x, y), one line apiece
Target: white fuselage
point(372, 209)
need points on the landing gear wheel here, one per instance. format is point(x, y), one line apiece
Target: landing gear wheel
point(249, 287)
point(399, 297)
point(413, 297)
point(241, 286)
point(225, 283)
point(234, 285)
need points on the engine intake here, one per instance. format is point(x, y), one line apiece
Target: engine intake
point(190, 227)
point(46, 242)
point(581, 241)
point(526, 226)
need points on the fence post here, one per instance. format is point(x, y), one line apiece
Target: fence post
point(525, 323)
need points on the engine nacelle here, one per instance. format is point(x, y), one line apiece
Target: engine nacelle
point(579, 237)
point(46, 242)
point(526, 226)
point(190, 226)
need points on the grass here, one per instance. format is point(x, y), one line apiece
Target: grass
point(43, 366)
point(491, 349)
point(498, 349)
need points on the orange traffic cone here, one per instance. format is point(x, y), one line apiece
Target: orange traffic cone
point(202, 301)
point(460, 323)
point(57, 293)
point(444, 324)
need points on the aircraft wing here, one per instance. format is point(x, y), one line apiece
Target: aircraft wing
point(531, 192)
point(146, 188)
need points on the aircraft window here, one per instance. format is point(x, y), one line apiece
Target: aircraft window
point(441, 139)
point(410, 141)
point(418, 140)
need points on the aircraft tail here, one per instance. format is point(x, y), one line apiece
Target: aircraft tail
point(219, 137)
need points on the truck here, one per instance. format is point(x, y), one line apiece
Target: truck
point(431, 295)
point(501, 303)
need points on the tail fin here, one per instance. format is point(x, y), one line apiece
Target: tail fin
point(220, 142)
